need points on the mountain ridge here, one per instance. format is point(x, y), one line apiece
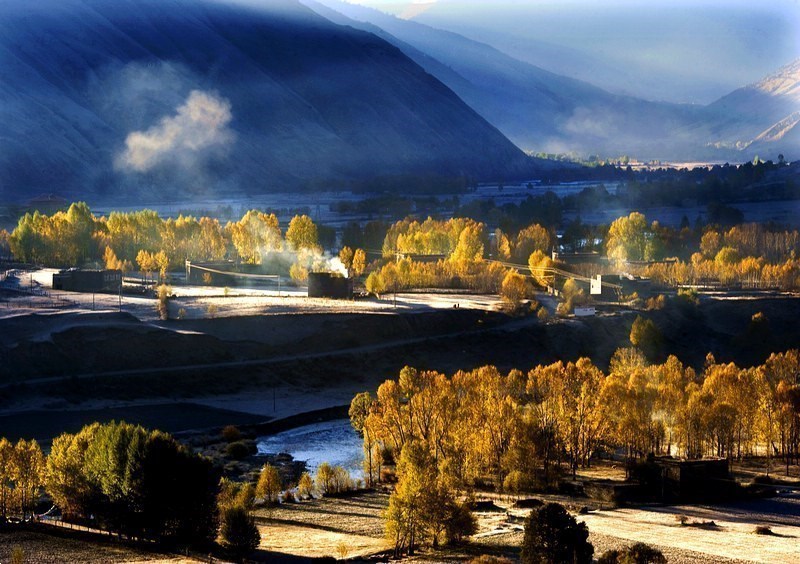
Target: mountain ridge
point(311, 103)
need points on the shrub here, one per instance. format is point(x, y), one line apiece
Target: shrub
point(211, 310)
point(543, 314)
point(552, 535)
point(637, 553)
point(763, 530)
point(231, 433)
point(487, 559)
point(237, 450)
point(163, 294)
point(239, 532)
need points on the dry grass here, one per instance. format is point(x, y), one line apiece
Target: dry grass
point(321, 527)
point(45, 548)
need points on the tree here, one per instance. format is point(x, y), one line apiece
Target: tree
point(360, 408)
point(6, 476)
point(552, 536)
point(375, 284)
point(269, 484)
point(238, 531)
point(346, 257)
point(147, 262)
point(359, 262)
point(27, 474)
point(627, 238)
point(305, 487)
point(254, 235)
point(529, 240)
point(325, 478)
point(302, 233)
point(515, 288)
point(65, 479)
point(645, 336)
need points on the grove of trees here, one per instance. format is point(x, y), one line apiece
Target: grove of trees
point(517, 430)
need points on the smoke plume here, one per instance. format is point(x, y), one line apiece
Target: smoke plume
point(200, 125)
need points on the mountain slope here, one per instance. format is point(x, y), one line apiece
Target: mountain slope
point(202, 96)
point(761, 115)
point(543, 111)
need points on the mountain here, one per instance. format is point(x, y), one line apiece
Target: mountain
point(543, 111)
point(761, 116)
point(537, 109)
point(682, 51)
point(164, 98)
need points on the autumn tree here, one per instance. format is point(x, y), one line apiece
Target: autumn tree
point(529, 240)
point(255, 235)
point(6, 476)
point(269, 484)
point(28, 474)
point(627, 238)
point(302, 233)
point(346, 257)
point(515, 288)
point(359, 264)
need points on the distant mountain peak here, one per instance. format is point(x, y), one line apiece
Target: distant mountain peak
point(784, 82)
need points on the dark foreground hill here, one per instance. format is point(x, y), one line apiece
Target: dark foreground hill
point(127, 98)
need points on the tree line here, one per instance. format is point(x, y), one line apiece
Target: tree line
point(750, 255)
point(454, 253)
point(517, 431)
point(75, 237)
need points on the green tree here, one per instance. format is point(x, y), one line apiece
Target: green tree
point(238, 531)
point(645, 336)
point(552, 536)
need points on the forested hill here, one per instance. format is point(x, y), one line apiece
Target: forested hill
point(125, 98)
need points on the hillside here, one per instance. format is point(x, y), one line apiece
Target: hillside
point(761, 116)
point(543, 111)
point(163, 98)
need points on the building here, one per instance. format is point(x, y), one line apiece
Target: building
point(74, 280)
point(329, 285)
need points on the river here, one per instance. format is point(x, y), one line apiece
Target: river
point(334, 442)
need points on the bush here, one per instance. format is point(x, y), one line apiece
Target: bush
point(239, 532)
point(487, 559)
point(238, 450)
point(638, 553)
point(763, 530)
point(231, 433)
point(552, 535)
